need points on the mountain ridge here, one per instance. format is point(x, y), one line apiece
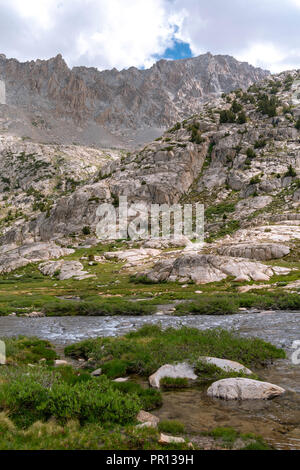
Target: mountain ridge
point(129, 107)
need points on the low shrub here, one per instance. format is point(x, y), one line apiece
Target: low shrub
point(250, 153)
point(150, 398)
point(115, 368)
point(259, 144)
point(220, 209)
point(291, 172)
point(227, 116)
point(28, 398)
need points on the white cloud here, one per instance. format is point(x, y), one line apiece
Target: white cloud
point(127, 33)
point(124, 33)
point(102, 33)
point(38, 11)
point(263, 55)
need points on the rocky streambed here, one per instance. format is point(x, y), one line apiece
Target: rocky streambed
point(278, 420)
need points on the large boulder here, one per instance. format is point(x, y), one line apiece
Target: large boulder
point(226, 365)
point(133, 257)
point(203, 269)
point(183, 370)
point(64, 270)
point(259, 251)
point(244, 389)
point(30, 253)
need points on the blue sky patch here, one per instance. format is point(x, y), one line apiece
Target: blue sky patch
point(180, 50)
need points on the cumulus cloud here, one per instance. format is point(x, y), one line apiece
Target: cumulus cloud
point(100, 33)
point(124, 33)
point(262, 32)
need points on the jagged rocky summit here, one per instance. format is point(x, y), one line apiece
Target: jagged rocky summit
point(49, 102)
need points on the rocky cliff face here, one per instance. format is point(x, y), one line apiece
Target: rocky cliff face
point(239, 156)
point(94, 107)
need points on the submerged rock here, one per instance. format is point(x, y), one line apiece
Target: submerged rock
point(244, 389)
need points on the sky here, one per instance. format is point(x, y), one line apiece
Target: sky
point(124, 33)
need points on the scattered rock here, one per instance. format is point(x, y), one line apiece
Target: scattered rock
point(121, 379)
point(244, 389)
point(134, 256)
point(60, 362)
point(163, 243)
point(145, 425)
point(96, 373)
point(250, 205)
point(34, 315)
point(164, 439)
point(147, 418)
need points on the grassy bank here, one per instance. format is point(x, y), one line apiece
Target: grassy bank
point(144, 351)
point(47, 407)
point(114, 291)
point(231, 303)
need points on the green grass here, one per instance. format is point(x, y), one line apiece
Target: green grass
point(230, 303)
point(171, 427)
point(209, 372)
point(212, 305)
point(229, 436)
point(220, 209)
point(115, 291)
point(22, 350)
point(97, 307)
point(227, 229)
point(168, 383)
point(45, 407)
point(149, 348)
point(73, 436)
point(150, 398)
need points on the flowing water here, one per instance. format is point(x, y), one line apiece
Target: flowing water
point(278, 421)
